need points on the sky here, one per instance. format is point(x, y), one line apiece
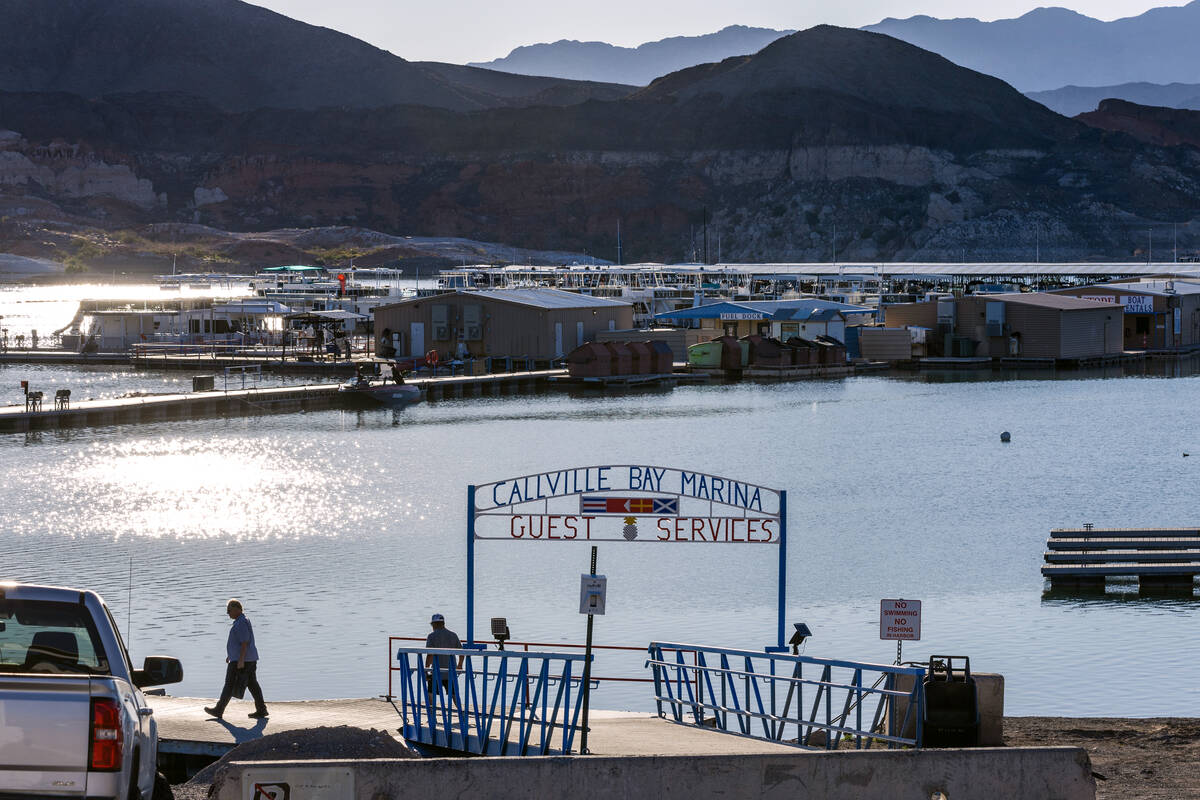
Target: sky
point(458, 31)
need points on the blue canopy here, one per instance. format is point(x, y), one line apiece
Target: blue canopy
point(803, 308)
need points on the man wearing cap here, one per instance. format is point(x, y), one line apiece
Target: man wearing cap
point(441, 638)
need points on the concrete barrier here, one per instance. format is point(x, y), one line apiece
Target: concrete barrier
point(1046, 773)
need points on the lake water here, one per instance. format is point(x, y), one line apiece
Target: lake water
point(337, 529)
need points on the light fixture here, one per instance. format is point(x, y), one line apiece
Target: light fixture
point(802, 633)
point(500, 631)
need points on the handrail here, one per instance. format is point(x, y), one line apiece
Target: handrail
point(473, 710)
point(756, 693)
point(595, 679)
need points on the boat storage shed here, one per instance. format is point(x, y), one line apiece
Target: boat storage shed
point(534, 323)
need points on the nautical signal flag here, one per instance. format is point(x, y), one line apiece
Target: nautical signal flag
point(624, 506)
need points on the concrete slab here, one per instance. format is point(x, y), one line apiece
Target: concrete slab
point(625, 733)
point(183, 727)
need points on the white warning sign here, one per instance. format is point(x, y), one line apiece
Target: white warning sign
point(900, 619)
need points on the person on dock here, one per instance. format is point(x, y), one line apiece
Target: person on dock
point(441, 638)
point(241, 658)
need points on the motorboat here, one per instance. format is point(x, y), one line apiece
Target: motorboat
point(370, 387)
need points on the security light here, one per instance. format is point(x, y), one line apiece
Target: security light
point(802, 633)
point(500, 630)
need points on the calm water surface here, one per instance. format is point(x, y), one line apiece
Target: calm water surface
point(337, 529)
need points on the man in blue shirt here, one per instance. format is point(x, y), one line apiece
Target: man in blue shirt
point(241, 658)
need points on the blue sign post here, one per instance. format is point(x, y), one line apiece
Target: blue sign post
point(627, 503)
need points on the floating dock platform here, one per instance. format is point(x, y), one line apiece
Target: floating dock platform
point(243, 402)
point(1162, 559)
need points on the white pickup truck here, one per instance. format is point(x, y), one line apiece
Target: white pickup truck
point(73, 719)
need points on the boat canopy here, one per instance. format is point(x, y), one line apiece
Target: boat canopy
point(333, 314)
point(296, 269)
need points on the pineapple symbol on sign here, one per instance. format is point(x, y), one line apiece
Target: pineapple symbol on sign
point(630, 530)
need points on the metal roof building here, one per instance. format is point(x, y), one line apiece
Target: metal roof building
point(533, 323)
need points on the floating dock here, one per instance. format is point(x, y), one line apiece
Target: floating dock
point(242, 402)
point(1162, 559)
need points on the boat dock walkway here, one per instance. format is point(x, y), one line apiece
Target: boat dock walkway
point(241, 402)
point(185, 729)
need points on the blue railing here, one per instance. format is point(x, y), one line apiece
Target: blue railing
point(798, 700)
point(500, 703)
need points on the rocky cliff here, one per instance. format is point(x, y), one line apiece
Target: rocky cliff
point(828, 143)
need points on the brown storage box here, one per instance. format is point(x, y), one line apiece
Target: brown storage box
point(591, 360)
point(622, 358)
point(643, 357)
point(803, 351)
point(731, 352)
point(664, 357)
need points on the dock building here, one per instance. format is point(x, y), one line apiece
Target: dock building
point(1019, 326)
point(1159, 314)
point(533, 323)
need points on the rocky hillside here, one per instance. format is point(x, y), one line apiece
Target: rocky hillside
point(237, 57)
point(1072, 100)
point(830, 142)
point(1166, 127)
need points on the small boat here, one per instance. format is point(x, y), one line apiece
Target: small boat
point(369, 387)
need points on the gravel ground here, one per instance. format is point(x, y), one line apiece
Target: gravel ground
point(1132, 759)
point(312, 743)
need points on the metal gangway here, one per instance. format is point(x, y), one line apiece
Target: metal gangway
point(499, 703)
point(790, 699)
point(526, 702)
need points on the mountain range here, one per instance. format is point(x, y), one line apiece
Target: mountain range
point(1058, 57)
point(825, 141)
point(632, 65)
point(238, 57)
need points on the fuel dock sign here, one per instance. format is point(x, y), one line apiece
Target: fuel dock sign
point(900, 619)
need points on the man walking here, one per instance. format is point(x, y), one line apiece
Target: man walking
point(241, 658)
point(441, 638)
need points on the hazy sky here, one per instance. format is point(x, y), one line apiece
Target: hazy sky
point(458, 31)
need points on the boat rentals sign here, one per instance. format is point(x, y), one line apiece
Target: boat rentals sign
point(627, 503)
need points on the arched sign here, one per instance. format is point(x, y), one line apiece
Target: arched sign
point(636, 504)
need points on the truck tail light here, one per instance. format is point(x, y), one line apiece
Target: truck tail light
point(106, 736)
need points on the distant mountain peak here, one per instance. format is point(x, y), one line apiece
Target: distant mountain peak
point(1051, 46)
point(592, 61)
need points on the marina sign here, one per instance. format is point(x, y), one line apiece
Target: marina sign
point(628, 503)
point(631, 503)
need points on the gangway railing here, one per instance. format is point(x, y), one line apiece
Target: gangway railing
point(502, 703)
point(599, 661)
point(790, 699)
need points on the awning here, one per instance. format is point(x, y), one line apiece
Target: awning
point(332, 315)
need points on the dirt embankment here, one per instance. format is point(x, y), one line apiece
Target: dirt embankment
point(1132, 759)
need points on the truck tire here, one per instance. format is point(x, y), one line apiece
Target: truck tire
point(162, 788)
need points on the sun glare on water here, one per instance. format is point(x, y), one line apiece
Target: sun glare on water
point(183, 488)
